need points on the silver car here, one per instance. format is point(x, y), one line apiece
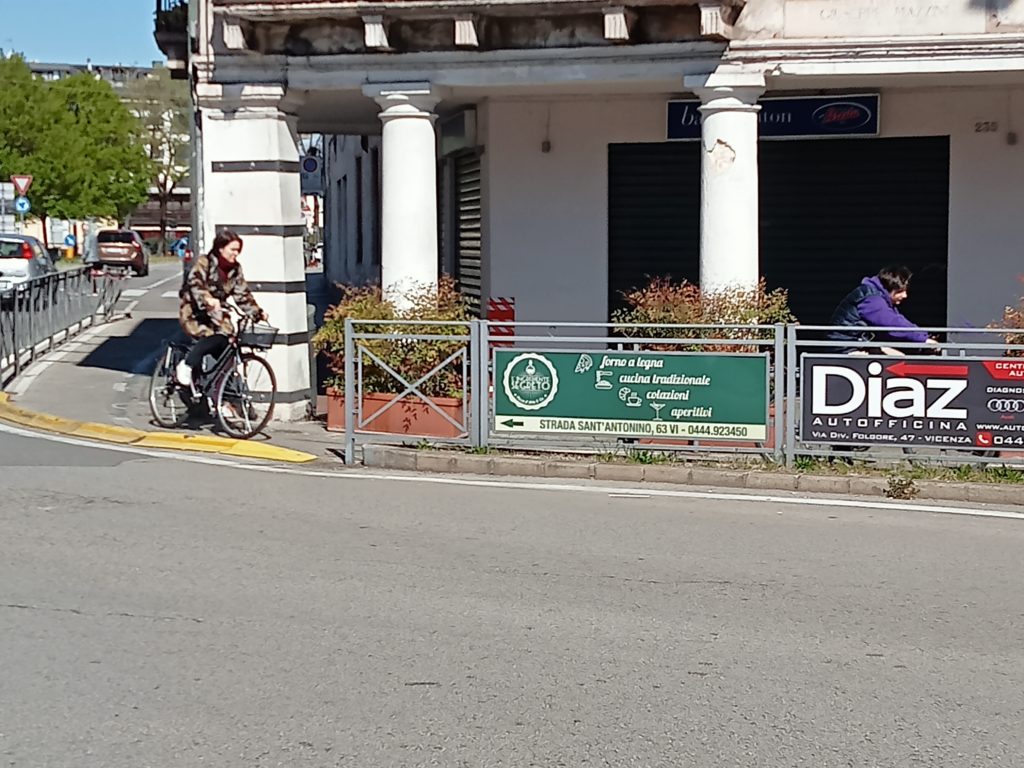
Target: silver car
point(21, 259)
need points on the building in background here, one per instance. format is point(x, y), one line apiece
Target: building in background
point(115, 74)
point(559, 153)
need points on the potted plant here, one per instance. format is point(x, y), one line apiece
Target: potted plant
point(411, 358)
point(1013, 319)
point(665, 302)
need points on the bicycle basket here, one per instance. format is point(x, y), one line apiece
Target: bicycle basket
point(258, 336)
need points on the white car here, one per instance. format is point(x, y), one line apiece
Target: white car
point(22, 258)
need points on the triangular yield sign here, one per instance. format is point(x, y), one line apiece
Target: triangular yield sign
point(21, 183)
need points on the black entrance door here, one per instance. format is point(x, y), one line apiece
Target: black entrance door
point(832, 211)
point(835, 211)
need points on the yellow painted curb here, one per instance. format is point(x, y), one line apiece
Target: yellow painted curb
point(109, 433)
point(248, 449)
point(173, 442)
point(162, 440)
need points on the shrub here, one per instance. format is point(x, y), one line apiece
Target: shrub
point(1013, 318)
point(665, 302)
point(409, 357)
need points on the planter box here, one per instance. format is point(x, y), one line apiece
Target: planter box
point(411, 416)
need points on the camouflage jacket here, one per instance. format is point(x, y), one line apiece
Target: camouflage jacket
point(203, 283)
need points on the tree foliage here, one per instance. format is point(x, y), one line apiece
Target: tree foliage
point(82, 145)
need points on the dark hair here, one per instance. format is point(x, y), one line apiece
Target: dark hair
point(223, 238)
point(895, 278)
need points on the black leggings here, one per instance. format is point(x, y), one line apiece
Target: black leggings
point(208, 345)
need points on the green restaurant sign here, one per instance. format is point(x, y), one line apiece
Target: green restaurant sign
point(632, 394)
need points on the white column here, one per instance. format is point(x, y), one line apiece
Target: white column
point(729, 216)
point(408, 184)
point(251, 185)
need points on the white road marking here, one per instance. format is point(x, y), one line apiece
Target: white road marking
point(884, 506)
point(133, 293)
point(158, 283)
point(130, 307)
point(169, 295)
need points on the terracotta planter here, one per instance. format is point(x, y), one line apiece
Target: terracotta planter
point(410, 416)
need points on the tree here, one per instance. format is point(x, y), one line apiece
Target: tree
point(21, 118)
point(162, 106)
point(78, 140)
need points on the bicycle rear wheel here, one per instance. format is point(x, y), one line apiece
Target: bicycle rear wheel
point(167, 401)
point(244, 397)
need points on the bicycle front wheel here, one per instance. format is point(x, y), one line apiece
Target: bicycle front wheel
point(167, 400)
point(244, 397)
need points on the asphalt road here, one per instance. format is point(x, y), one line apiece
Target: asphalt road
point(161, 613)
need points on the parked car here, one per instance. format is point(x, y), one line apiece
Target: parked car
point(123, 248)
point(21, 259)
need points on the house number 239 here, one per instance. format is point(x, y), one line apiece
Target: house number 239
point(988, 126)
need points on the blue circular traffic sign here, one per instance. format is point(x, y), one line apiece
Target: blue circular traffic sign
point(69, 241)
point(22, 205)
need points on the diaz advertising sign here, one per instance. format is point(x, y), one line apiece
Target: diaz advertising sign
point(917, 401)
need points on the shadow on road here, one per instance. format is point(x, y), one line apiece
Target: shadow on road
point(135, 352)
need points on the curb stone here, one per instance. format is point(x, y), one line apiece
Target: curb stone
point(571, 470)
point(397, 458)
point(172, 441)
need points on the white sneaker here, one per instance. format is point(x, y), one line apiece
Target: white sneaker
point(183, 373)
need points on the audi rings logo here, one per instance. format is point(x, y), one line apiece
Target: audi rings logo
point(1000, 405)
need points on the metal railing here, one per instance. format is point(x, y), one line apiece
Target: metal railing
point(41, 313)
point(467, 352)
point(439, 355)
point(954, 402)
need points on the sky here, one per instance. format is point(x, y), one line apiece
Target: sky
point(71, 31)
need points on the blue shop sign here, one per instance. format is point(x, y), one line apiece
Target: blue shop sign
point(800, 116)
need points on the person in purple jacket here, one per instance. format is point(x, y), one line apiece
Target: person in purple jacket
point(873, 304)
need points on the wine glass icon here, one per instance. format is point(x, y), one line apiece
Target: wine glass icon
point(657, 410)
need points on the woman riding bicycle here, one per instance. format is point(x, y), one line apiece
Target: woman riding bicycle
point(213, 279)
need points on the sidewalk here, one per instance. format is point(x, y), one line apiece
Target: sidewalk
point(103, 375)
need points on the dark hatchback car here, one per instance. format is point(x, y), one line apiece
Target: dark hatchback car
point(122, 248)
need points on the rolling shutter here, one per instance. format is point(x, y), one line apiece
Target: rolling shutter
point(835, 211)
point(832, 212)
point(468, 228)
point(653, 215)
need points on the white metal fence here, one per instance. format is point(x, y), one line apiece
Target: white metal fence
point(957, 401)
point(41, 313)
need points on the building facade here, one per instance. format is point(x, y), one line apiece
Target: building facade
point(558, 153)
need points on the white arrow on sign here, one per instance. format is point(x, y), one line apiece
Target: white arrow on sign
point(22, 183)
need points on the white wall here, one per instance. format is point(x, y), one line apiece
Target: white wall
point(986, 226)
point(873, 18)
point(546, 231)
point(546, 228)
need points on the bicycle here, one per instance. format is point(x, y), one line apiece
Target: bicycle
point(240, 386)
